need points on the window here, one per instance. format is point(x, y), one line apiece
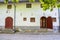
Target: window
point(41, 5)
point(54, 19)
point(9, 6)
point(32, 19)
point(24, 19)
point(28, 5)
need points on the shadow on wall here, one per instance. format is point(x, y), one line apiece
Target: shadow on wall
point(59, 28)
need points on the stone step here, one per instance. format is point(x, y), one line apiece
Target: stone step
point(41, 30)
point(7, 31)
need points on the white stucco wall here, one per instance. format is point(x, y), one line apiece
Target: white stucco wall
point(4, 13)
point(22, 11)
point(36, 12)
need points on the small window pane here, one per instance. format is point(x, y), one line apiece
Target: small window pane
point(9, 6)
point(24, 19)
point(41, 5)
point(28, 5)
point(54, 19)
point(32, 19)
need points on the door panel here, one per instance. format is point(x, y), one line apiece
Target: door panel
point(49, 23)
point(43, 22)
point(9, 23)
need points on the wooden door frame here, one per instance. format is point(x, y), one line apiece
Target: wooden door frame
point(41, 22)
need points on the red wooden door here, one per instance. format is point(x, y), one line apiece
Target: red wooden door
point(9, 23)
point(49, 23)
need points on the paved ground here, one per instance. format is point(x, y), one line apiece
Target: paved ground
point(28, 37)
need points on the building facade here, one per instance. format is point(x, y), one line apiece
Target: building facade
point(26, 15)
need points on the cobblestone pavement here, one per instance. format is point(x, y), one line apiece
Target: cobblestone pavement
point(28, 37)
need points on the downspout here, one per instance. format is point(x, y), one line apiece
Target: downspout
point(59, 18)
point(14, 16)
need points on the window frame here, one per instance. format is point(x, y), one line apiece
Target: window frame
point(9, 6)
point(32, 19)
point(28, 5)
point(54, 19)
point(24, 19)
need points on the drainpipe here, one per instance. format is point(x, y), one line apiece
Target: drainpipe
point(59, 18)
point(14, 15)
